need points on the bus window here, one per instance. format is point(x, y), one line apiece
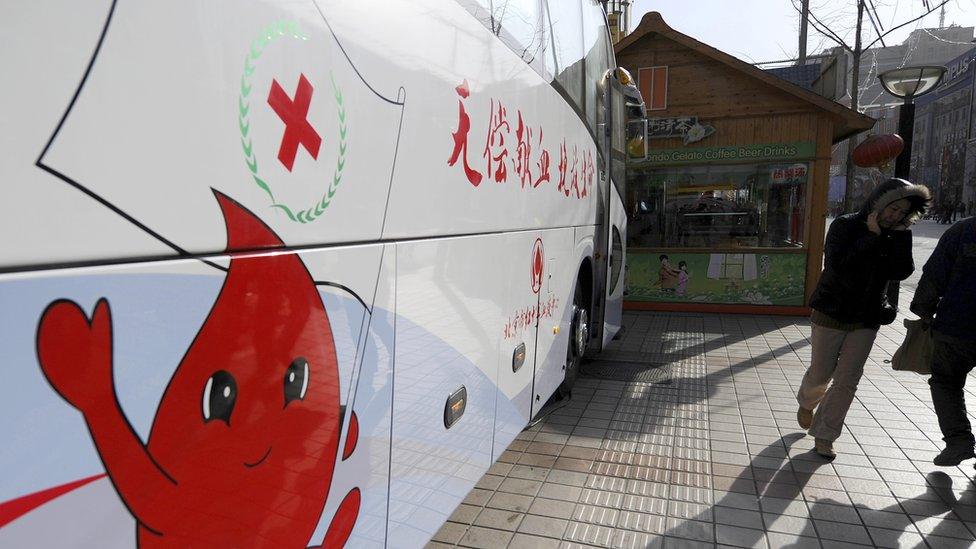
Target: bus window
point(616, 259)
point(481, 10)
point(618, 125)
point(521, 28)
point(567, 47)
point(549, 59)
point(597, 59)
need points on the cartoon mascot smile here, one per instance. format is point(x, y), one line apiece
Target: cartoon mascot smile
point(245, 439)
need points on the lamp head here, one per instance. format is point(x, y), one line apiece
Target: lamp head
point(911, 82)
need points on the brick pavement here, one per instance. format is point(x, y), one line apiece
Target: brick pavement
point(715, 457)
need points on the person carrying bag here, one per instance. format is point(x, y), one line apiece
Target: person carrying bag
point(863, 253)
point(946, 299)
point(915, 353)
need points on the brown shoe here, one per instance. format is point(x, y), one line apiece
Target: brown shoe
point(825, 448)
point(804, 417)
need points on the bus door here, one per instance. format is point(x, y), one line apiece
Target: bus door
point(553, 313)
point(535, 333)
point(524, 278)
point(621, 99)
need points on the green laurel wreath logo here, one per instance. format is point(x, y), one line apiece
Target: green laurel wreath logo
point(269, 34)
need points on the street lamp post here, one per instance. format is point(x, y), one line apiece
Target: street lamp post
point(909, 83)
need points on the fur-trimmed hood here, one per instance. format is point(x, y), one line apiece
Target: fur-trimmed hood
point(896, 189)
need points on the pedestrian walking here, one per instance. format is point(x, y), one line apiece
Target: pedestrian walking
point(946, 297)
point(864, 251)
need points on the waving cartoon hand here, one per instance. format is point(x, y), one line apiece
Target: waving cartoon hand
point(76, 354)
point(244, 423)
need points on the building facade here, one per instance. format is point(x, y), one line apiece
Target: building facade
point(945, 127)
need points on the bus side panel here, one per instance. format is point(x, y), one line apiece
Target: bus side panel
point(448, 329)
point(555, 310)
point(299, 395)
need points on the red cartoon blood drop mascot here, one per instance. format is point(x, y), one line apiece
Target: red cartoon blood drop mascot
point(245, 439)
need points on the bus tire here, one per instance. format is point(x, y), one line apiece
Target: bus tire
point(579, 336)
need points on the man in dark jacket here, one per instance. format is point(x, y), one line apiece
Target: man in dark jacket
point(947, 291)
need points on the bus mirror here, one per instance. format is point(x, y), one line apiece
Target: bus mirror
point(637, 139)
point(623, 76)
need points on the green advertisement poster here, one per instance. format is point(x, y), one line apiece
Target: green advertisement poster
point(739, 278)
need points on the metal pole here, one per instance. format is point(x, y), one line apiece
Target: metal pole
point(906, 127)
point(804, 15)
point(855, 97)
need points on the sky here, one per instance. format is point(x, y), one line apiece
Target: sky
point(768, 30)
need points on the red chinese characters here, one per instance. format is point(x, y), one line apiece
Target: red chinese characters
point(588, 173)
point(547, 309)
point(461, 138)
point(519, 321)
point(517, 155)
point(526, 317)
point(574, 174)
point(523, 152)
point(562, 169)
point(543, 164)
point(495, 149)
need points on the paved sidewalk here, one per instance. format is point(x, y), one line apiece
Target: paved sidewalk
point(715, 457)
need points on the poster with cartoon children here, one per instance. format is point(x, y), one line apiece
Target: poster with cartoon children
point(741, 278)
point(667, 275)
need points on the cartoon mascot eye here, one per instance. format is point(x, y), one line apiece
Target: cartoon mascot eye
point(219, 396)
point(296, 380)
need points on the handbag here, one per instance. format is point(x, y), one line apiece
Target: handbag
point(915, 353)
point(889, 303)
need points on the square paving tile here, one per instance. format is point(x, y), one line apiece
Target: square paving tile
point(485, 538)
point(499, 519)
point(543, 526)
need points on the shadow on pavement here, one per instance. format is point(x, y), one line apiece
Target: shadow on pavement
point(779, 496)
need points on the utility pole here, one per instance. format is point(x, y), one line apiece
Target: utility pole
point(804, 14)
point(942, 17)
point(855, 76)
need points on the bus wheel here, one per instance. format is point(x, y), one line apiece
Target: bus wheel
point(579, 336)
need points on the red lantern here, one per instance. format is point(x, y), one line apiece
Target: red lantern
point(878, 150)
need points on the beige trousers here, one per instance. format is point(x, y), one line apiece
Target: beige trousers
point(838, 355)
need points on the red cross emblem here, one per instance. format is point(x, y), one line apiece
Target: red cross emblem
point(297, 128)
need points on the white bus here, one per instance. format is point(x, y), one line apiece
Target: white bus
point(293, 274)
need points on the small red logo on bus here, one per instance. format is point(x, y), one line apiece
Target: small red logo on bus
point(538, 265)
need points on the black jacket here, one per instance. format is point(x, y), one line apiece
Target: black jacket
point(948, 285)
point(858, 263)
point(857, 267)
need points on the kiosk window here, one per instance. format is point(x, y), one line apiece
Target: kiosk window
point(755, 205)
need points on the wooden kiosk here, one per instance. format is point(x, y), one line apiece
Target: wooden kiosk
point(726, 211)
